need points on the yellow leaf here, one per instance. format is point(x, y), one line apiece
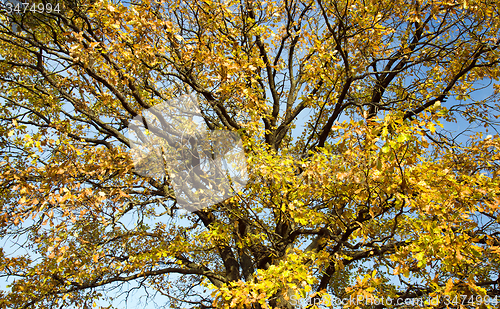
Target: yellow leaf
point(449, 286)
point(431, 127)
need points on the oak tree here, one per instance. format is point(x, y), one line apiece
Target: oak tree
point(359, 184)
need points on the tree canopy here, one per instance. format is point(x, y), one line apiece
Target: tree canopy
point(359, 183)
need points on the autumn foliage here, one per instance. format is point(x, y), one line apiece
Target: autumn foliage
point(360, 182)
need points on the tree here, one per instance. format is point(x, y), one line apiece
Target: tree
point(375, 198)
